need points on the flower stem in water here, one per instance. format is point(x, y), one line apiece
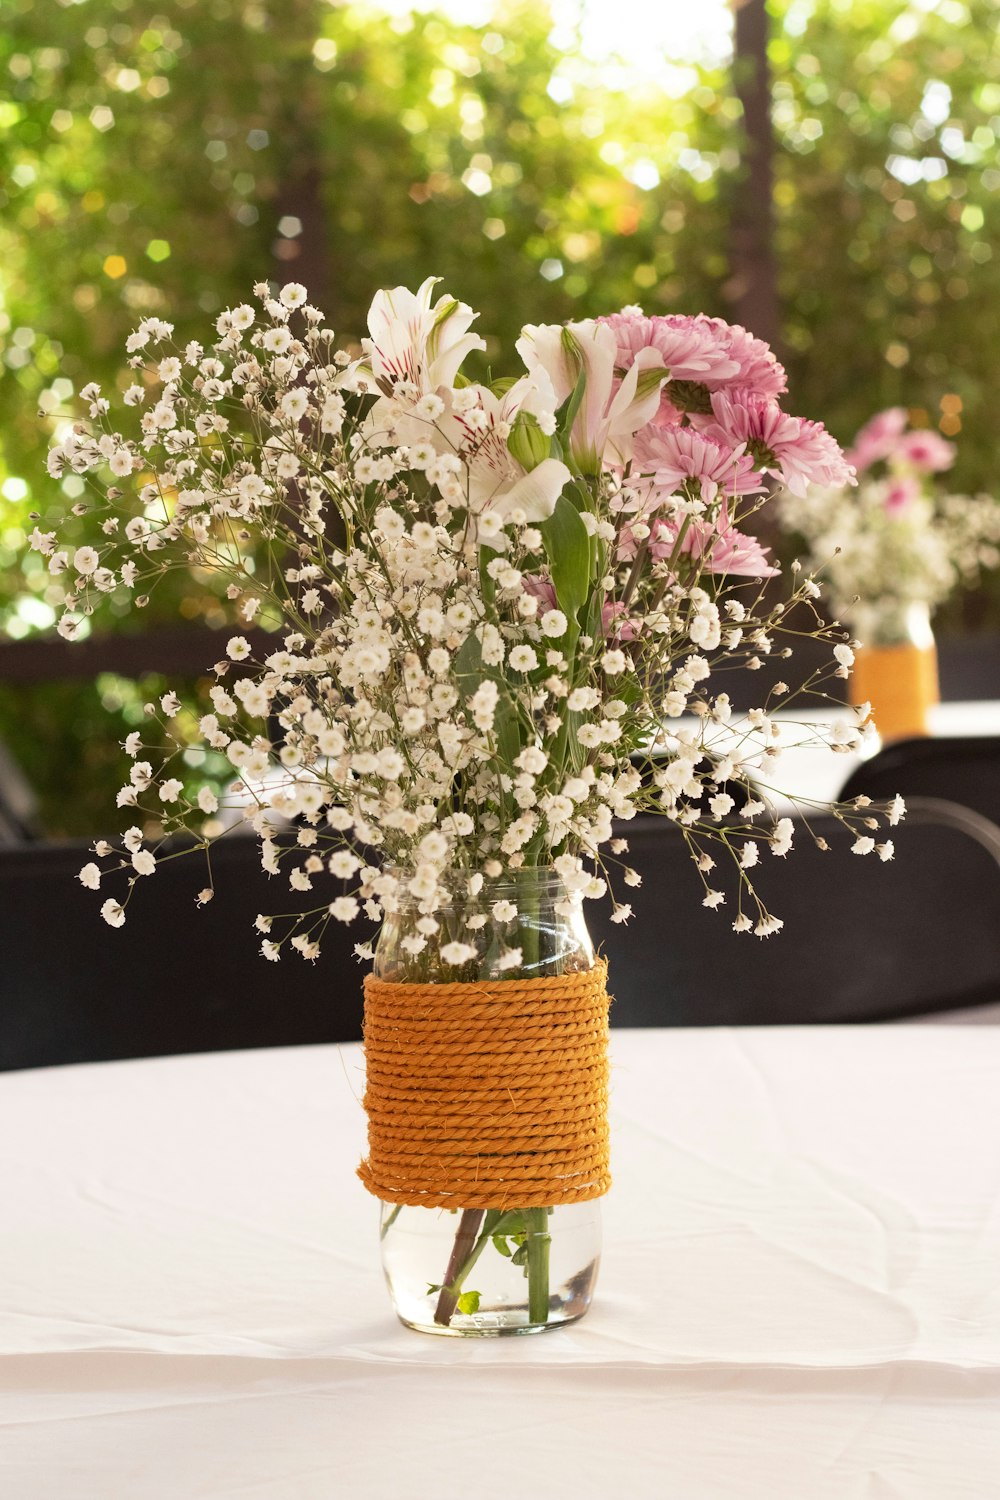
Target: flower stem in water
point(461, 1250)
point(536, 1224)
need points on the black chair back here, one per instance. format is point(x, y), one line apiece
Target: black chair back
point(862, 941)
point(964, 770)
point(175, 978)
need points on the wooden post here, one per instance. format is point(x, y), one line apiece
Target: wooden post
point(752, 286)
point(301, 93)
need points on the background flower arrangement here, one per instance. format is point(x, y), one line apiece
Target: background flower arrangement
point(499, 610)
point(896, 540)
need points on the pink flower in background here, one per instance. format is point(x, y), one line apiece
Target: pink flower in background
point(925, 450)
point(794, 450)
point(900, 491)
point(674, 455)
point(877, 438)
point(886, 437)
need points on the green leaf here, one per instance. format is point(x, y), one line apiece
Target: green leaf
point(469, 673)
point(468, 665)
point(468, 1303)
point(500, 1244)
point(567, 546)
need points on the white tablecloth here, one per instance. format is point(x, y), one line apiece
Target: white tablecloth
point(799, 1298)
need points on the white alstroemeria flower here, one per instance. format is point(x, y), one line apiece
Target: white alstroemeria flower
point(497, 481)
point(608, 418)
point(475, 424)
point(415, 340)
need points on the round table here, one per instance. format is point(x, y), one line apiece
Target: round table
point(799, 1298)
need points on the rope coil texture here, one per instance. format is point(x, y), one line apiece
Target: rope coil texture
point(487, 1095)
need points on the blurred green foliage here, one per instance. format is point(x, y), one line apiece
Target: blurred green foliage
point(887, 123)
point(162, 155)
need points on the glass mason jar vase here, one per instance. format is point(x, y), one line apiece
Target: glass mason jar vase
point(490, 1271)
point(896, 668)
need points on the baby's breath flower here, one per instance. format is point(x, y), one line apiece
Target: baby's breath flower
point(457, 953)
point(293, 294)
point(522, 659)
point(344, 908)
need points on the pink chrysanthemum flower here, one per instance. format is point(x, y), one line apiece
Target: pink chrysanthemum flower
point(728, 551)
point(719, 549)
point(701, 354)
point(689, 350)
point(794, 450)
point(673, 456)
point(756, 367)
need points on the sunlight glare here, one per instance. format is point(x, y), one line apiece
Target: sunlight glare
point(641, 38)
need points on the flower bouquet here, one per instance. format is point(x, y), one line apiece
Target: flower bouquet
point(891, 551)
point(489, 617)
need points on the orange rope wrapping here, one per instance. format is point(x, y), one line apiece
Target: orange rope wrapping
point(487, 1095)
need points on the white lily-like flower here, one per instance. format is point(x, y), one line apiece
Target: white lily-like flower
point(608, 418)
point(497, 481)
point(474, 426)
point(418, 341)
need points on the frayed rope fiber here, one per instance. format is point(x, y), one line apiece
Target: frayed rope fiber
point(488, 1095)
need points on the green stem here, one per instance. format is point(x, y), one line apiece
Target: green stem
point(390, 1221)
point(495, 1221)
point(529, 912)
point(538, 1240)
